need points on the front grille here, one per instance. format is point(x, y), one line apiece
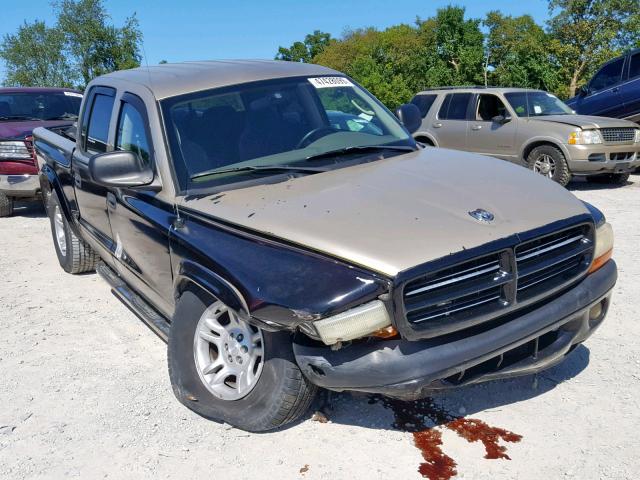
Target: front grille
point(618, 135)
point(489, 286)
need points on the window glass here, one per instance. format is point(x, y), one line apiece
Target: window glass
point(536, 104)
point(607, 76)
point(132, 134)
point(274, 122)
point(98, 128)
point(489, 106)
point(40, 106)
point(423, 102)
point(454, 106)
point(634, 66)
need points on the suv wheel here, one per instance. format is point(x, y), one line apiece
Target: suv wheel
point(6, 205)
point(74, 255)
point(615, 178)
point(225, 369)
point(549, 161)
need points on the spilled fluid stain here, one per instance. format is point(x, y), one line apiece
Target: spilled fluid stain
point(425, 420)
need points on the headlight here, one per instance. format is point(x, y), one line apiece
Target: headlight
point(604, 246)
point(637, 139)
point(354, 323)
point(585, 137)
point(14, 150)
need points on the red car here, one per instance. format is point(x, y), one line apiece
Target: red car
point(21, 110)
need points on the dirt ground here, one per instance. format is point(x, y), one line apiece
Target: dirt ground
point(84, 392)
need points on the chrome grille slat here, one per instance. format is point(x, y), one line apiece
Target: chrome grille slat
point(479, 289)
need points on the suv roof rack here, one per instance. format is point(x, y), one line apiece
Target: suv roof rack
point(459, 87)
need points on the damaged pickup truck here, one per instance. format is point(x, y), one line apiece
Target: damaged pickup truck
point(282, 231)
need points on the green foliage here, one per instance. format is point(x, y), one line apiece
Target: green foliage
point(34, 57)
point(82, 45)
point(589, 32)
point(304, 52)
point(449, 49)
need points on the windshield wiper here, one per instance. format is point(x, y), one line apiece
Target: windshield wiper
point(251, 168)
point(18, 117)
point(362, 148)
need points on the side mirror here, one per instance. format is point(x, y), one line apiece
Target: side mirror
point(584, 91)
point(409, 115)
point(501, 119)
point(119, 169)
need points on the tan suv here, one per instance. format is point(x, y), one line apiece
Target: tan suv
point(529, 127)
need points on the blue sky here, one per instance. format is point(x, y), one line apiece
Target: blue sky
point(178, 30)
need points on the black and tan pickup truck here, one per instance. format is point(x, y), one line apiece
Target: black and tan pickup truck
point(283, 232)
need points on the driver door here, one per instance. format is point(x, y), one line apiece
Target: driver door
point(487, 136)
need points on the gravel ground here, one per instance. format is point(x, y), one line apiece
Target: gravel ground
point(84, 391)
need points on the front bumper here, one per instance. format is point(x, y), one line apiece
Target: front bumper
point(20, 185)
point(603, 158)
point(534, 341)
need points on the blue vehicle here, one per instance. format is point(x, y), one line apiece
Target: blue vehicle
point(614, 91)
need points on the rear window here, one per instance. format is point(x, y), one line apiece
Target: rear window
point(39, 105)
point(454, 106)
point(423, 102)
point(634, 66)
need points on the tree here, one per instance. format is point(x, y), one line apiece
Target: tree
point(98, 47)
point(81, 46)
point(517, 50)
point(305, 51)
point(589, 32)
point(35, 57)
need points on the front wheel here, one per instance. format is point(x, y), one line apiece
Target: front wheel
point(223, 368)
point(549, 161)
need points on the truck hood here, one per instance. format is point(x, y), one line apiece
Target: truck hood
point(393, 214)
point(21, 129)
point(585, 121)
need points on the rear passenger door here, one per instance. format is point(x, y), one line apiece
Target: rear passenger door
point(94, 138)
point(450, 125)
point(140, 221)
point(630, 89)
point(604, 97)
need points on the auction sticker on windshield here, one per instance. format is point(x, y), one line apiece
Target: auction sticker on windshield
point(329, 82)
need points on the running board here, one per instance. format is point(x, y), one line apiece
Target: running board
point(145, 312)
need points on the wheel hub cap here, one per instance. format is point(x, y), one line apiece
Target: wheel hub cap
point(58, 226)
point(227, 352)
point(545, 165)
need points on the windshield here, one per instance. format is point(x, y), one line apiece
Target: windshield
point(39, 105)
point(536, 104)
point(276, 123)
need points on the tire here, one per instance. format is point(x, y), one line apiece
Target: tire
point(559, 171)
point(74, 254)
point(613, 178)
point(6, 205)
point(280, 395)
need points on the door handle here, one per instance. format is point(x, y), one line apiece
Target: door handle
point(615, 89)
point(437, 125)
point(111, 201)
point(476, 127)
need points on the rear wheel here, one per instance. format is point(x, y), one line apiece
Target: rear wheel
point(614, 178)
point(549, 161)
point(74, 254)
point(6, 205)
point(225, 369)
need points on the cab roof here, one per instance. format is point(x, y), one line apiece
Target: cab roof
point(171, 79)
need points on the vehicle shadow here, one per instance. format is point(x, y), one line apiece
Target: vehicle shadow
point(364, 411)
point(29, 209)
point(585, 186)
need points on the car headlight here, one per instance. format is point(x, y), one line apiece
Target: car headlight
point(354, 323)
point(637, 139)
point(604, 246)
point(585, 137)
